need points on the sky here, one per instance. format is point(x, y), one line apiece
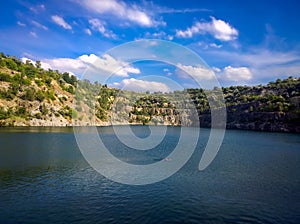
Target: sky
point(243, 42)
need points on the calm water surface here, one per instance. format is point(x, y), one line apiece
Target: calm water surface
point(255, 178)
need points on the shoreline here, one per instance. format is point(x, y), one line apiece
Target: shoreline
point(110, 125)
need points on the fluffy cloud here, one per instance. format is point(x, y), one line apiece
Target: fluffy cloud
point(198, 72)
point(114, 66)
point(141, 85)
point(263, 64)
point(61, 22)
point(78, 65)
point(120, 9)
point(235, 74)
point(98, 25)
point(220, 29)
point(43, 64)
point(73, 66)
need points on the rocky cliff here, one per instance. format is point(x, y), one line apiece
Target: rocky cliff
point(274, 107)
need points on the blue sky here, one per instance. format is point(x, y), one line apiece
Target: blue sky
point(244, 42)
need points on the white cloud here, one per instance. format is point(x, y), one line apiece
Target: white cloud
point(261, 64)
point(21, 24)
point(215, 69)
point(167, 71)
point(170, 37)
point(275, 72)
point(197, 72)
point(159, 35)
point(206, 46)
point(214, 45)
point(138, 16)
point(88, 59)
point(37, 8)
point(43, 64)
point(38, 25)
point(187, 10)
point(98, 25)
point(258, 57)
point(73, 66)
point(238, 73)
point(116, 67)
point(33, 34)
point(122, 10)
point(142, 85)
point(24, 59)
point(78, 65)
point(61, 22)
point(88, 32)
point(220, 29)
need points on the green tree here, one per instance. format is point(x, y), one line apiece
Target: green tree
point(40, 96)
point(29, 94)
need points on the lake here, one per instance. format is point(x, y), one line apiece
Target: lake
point(255, 178)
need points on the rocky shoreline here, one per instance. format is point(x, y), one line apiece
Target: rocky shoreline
point(266, 122)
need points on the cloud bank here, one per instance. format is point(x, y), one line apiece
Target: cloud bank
point(219, 29)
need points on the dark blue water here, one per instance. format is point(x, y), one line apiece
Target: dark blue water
point(255, 178)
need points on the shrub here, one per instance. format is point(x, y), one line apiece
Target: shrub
point(40, 96)
point(29, 94)
point(5, 77)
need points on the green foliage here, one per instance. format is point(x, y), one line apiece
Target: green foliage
point(38, 64)
point(21, 111)
point(71, 79)
point(13, 89)
point(251, 109)
point(29, 94)
point(101, 114)
point(3, 114)
point(48, 82)
point(40, 96)
point(11, 64)
point(43, 109)
point(70, 89)
point(5, 77)
point(50, 95)
point(38, 82)
point(67, 112)
point(106, 97)
point(30, 71)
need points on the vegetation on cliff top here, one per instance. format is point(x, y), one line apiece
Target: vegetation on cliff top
point(30, 95)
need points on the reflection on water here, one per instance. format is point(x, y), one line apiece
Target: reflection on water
point(44, 179)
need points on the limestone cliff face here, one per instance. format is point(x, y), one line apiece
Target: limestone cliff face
point(258, 121)
point(240, 117)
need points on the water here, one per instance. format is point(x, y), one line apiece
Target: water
point(255, 178)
